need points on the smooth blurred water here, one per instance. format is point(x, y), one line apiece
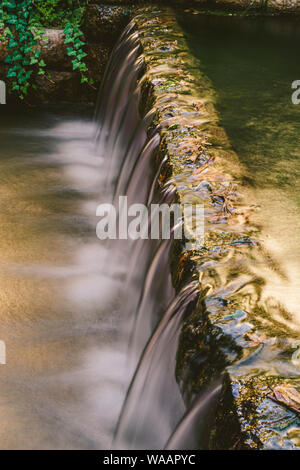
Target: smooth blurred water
point(69, 300)
point(62, 386)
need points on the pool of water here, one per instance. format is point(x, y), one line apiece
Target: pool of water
point(251, 63)
point(61, 387)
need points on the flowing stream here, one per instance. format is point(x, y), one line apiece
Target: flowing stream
point(76, 311)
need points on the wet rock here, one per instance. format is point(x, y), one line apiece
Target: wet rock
point(277, 5)
point(60, 87)
point(96, 62)
point(97, 56)
point(264, 423)
point(104, 23)
point(287, 5)
point(54, 51)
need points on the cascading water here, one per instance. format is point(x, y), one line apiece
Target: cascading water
point(87, 313)
point(151, 315)
point(154, 404)
point(193, 431)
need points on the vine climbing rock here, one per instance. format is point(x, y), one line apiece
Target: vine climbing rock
point(3, 49)
point(54, 50)
point(61, 83)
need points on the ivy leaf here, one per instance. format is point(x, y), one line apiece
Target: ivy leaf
point(68, 40)
point(12, 43)
point(11, 21)
point(78, 43)
point(76, 64)
point(81, 55)
point(11, 73)
point(11, 4)
point(83, 67)
point(71, 52)
point(16, 56)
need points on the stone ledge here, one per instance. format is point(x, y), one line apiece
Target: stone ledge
point(229, 333)
point(275, 6)
point(279, 6)
point(105, 22)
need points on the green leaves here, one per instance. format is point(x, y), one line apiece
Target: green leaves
point(20, 44)
point(23, 23)
point(72, 38)
point(11, 73)
point(10, 4)
point(12, 43)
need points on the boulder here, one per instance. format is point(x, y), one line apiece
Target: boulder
point(105, 23)
point(58, 87)
point(54, 51)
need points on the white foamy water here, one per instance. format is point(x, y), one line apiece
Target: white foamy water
point(64, 381)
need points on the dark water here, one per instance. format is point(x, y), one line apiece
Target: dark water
point(251, 64)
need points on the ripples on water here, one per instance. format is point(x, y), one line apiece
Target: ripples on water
point(252, 63)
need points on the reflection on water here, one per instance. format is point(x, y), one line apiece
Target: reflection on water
point(252, 63)
point(62, 385)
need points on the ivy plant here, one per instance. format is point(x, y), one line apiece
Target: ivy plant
point(20, 44)
point(74, 47)
point(22, 25)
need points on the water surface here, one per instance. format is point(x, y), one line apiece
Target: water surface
point(62, 385)
point(251, 63)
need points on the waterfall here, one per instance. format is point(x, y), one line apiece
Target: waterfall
point(154, 405)
point(193, 431)
point(151, 314)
